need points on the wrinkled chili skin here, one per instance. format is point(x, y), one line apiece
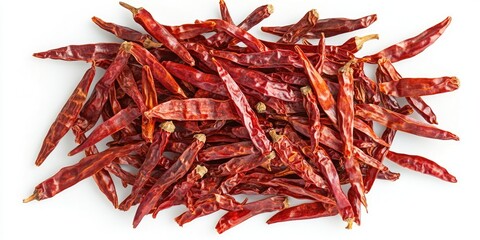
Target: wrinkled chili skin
point(87, 52)
point(67, 116)
point(299, 29)
point(415, 87)
point(159, 32)
point(175, 172)
point(421, 164)
point(411, 46)
point(400, 122)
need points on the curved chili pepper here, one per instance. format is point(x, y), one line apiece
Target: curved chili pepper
point(255, 17)
point(127, 83)
point(144, 57)
point(329, 26)
point(189, 31)
point(247, 115)
point(67, 116)
point(155, 152)
point(414, 87)
point(175, 172)
point(159, 32)
point(236, 32)
point(267, 59)
point(421, 164)
point(400, 122)
point(112, 125)
point(299, 29)
point(320, 157)
point(126, 33)
point(303, 211)
point(92, 109)
point(412, 46)
point(233, 218)
point(69, 176)
point(86, 52)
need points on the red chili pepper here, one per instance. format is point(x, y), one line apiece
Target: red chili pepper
point(299, 29)
point(303, 211)
point(151, 100)
point(175, 172)
point(251, 209)
point(421, 164)
point(152, 158)
point(144, 57)
point(69, 176)
point(412, 46)
point(415, 87)
point(87, 52)
point(400, 122)
point(67, 116)
point(159, 32)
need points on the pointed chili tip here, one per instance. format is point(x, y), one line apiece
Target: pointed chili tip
point(132, 9)
point(32, 197)
point(168, 126)
point(200, 137)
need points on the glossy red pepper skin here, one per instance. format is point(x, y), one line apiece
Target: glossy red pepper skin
point(87, 52)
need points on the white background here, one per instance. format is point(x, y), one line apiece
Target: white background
point(34, 90)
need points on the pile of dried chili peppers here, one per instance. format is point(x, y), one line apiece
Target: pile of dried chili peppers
point(197, 120)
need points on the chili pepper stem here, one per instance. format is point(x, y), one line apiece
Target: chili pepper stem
point(32, 197)
point(359, 41)
point(261, 107)
point(168, 126)
point(132, 9)
point(349, 223)
point(148, 44)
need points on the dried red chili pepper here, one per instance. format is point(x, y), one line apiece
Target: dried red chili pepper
point(193, 109)
point(155, 152)
point(87, 52)
point(414, 87)
point(412, 46)
point(112, 125)
point(303, 211)
point(267, 59)
point(69, 176)
point(159, 32)
point(67, 116)
point(299, 29)
point(144, 57)
point(234, 218)
point(151, 100)
point(247, 115)
point(401, 122)
point(329, 26)
point(421, 164)
point(126, 33)
point(175, 172)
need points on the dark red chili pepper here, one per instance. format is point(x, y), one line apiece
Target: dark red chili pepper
point(144, 57)
point(267, 59)
point(87, 52)
point(92, 109)
point(299, 29)
point(67, 116)
point(126, 33)
point(247, 115)
point(303, 211)
point(175, 172)
point(189, 31)
point(412, 46)
point(242, 35)
point(329, 26)
point(251, 209)
point(159, 32)
point(127, 83)
point(69, 176)
point(152, 158)
point(226, 151)
point(421, 164)
point(401, 122)
point(255, 17)
point(112, 125)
